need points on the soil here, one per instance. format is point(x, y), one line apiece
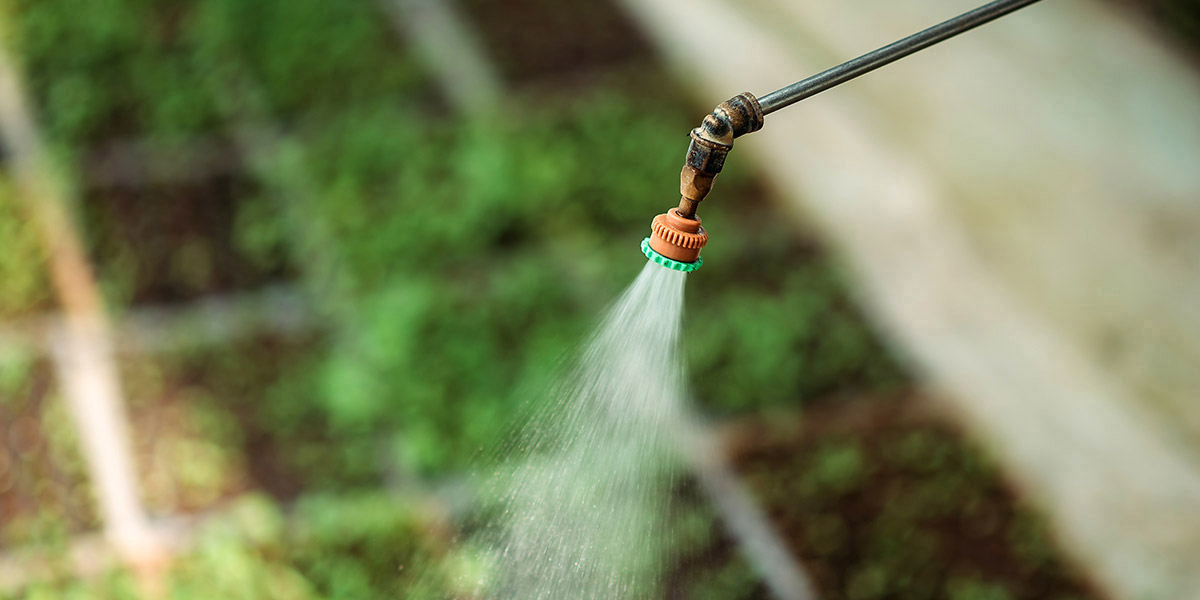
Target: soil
point(540, 39)
point(880, 498)
point(43, 493)
point(174, 241)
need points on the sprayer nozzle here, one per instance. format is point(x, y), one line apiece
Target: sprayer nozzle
point(674, 265)
point(675, 241)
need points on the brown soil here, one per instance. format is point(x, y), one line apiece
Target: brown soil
point(539, 39)
point(881, 499)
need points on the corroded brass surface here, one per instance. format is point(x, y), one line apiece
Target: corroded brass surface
point(710, 143)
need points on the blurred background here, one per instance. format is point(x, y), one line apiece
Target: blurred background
point(276, 276)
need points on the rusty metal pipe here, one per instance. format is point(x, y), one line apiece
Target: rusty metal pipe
point(711, 142)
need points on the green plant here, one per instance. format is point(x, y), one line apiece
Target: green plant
point(436, 321)
point(23, 282)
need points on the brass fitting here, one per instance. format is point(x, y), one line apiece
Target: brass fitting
point(711, 142)
point(677, 235)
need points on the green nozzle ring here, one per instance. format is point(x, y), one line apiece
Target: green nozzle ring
point(674, 265)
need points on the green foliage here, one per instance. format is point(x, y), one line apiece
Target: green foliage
point(886, 509)
point(458, 261)
point(457, 297)
point(769, 321)
point(47, 497)
point(971, 589)
point(491, 248)
point(364, 546)
point(23, 284)
point(702, 571)
point(360, 546)
point(312, 58)
point(97, 67)
point(733, 581)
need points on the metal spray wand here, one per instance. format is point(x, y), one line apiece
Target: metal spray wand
point(676, 236)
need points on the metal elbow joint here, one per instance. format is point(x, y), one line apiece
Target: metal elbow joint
point(676, 237)
point(711, 142)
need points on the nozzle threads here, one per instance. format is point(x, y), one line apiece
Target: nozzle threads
point(677, 238)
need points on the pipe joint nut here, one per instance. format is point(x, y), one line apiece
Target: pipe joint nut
point(733, 118)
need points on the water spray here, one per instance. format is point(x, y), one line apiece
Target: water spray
point(677, 236)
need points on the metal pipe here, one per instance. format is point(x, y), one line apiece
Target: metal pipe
point(892, 52)
point(677, 237)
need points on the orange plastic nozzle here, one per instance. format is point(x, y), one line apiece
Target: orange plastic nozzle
point(676, 237)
